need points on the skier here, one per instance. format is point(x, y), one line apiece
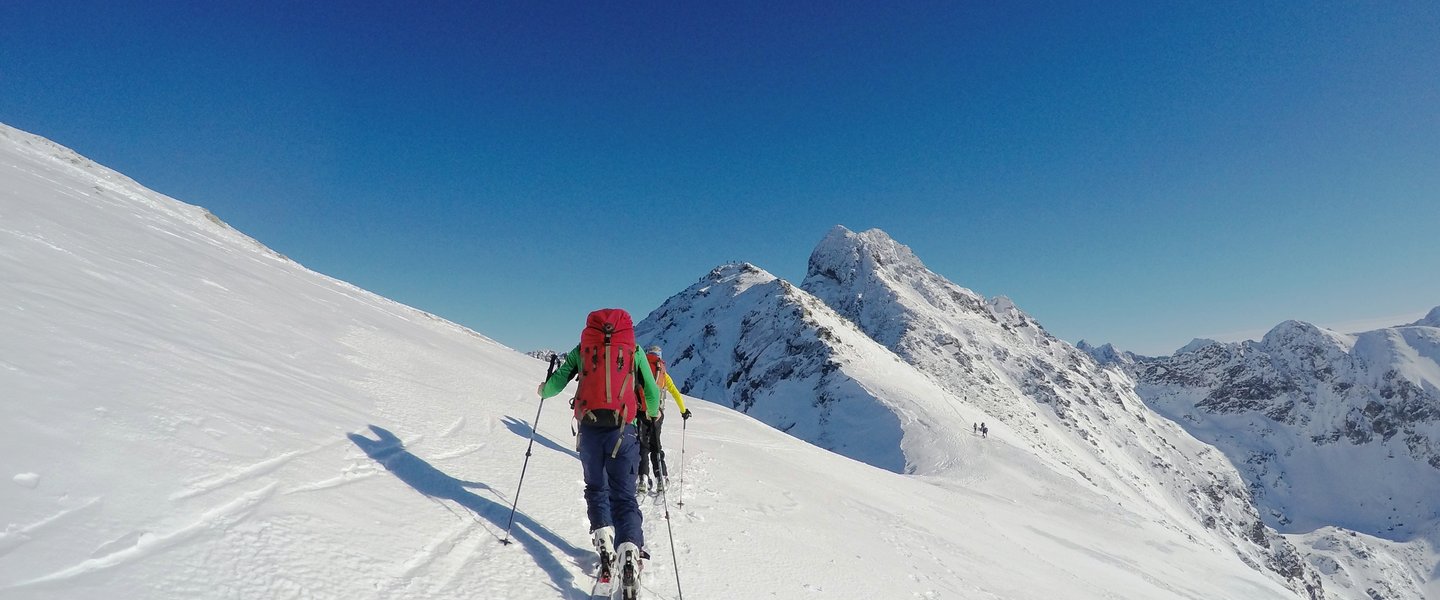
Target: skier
point(607, 361)
point(984, 431)
point(650, 450)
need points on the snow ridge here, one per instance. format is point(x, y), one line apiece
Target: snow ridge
point(1285, 405)
point(1108, 354)
point(777, 353)
point(986, 360)
point(196, 417)
point(1431, 319)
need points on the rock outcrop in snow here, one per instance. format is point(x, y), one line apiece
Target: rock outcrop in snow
point(1329, 428)
point(1196, 344)
point(1108, 354)
point(190, 416)
point(743, 336)
point(194, 416)
point(987, 360)
point(1331, 431)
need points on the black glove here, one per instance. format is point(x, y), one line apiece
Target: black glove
point(685, 415)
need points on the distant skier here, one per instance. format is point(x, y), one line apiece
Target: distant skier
point(607, 361)
point(974, 428)
point(650, 450)
point(984, 431)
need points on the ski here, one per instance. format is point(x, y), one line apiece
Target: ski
point(629, 583)
point(629, 558)
point(604, 588)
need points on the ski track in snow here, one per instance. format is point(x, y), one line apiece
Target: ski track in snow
point(14, 537)
point(746, 442)
point(352, 474)
point(247, 473)
point(147, 544)
point(454, 428)
point(363, 467)
point(438, 553)
point(314, 517)
point(459, 452)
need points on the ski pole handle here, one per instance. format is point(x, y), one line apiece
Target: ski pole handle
point(548, 372)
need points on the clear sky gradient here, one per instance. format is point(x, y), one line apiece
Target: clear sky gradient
point(1141, 173)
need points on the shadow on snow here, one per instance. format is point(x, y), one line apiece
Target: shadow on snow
point(390, 452)
point(523, 429)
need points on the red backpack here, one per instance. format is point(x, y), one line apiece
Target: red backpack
point(657, 368)
point(607, 368)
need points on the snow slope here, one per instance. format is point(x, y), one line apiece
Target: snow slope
point(194, 416)
point(743, 336)
point(1305, 407)
point(1337, 436)
point(883, 338)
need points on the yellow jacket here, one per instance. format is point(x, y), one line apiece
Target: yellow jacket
point(668, 386)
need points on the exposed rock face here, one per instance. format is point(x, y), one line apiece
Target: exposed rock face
point(545, 354)
point(1328, 428)
point(790, 355)
point(1108, 354)
point(743, 336)
point(1334, 434)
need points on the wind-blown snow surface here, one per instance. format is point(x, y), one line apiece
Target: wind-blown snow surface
point(191, 415)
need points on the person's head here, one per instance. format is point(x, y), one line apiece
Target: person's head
point(653, 351)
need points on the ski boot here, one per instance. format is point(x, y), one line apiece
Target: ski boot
point(661, 483)
point(630, 566)
point(642, 486)
point(604, 540)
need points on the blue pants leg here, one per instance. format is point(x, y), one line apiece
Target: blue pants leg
point(610, 481)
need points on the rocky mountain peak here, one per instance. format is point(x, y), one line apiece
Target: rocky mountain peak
point(1430, 320)
point(1195, 344)
point(1107, 354)
point(876, 281)
point(1290, 330)
point(1288, 405)
point(879, 358)
point(740, 275)
point(843, 256)
point(1302, 336)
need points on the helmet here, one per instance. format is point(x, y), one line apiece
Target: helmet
point(653, 350)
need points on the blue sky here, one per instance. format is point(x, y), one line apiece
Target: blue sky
point(1141, 173)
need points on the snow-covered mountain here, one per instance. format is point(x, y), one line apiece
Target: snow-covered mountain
point(870, 301)
point(1330, 430)
point(191, 415)
point(1432, 319)
point(1108, 354)
point(546, 354)
point(1196, 344)
point(772, 350)
point(1314, 419)
point(1305, 408)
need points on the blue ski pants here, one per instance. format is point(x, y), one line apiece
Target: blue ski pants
point(610, 480)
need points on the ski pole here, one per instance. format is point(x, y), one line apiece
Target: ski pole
point(674, 560)
point(680, 498)
point(533, 426)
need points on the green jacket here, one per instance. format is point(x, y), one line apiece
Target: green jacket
point(571, 368)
